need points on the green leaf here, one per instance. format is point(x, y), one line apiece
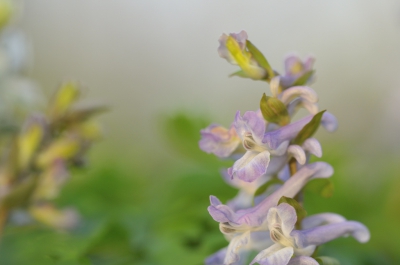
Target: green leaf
point(260, 58)
point(302, 80)
point(239, 73)
point(266, 185)
point(300, 212)
point(273, 110)
point(323, 187)
point(327, 261)
point(309, 129)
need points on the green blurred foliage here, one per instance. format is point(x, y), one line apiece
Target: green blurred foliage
point(136, 211)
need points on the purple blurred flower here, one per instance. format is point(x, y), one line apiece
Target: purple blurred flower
point(295, 68)
point(219, 140)
point(223, 51)
point(233, 49)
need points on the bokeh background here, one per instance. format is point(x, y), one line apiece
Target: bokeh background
point(144, 195)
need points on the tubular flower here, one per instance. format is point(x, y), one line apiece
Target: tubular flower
point(281, 221)
point(295, 68)
point(219, 140)
point(260, 145)
point(266, 215)
point(233, 49)
point(243, 226)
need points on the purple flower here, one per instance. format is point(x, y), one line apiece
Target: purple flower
point(253, 164)
point(281, 221)
point(242, 226)
point(233, 49)
point(219, 140)
point(295, 68)
point(260, 145)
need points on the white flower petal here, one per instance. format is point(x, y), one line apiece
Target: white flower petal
point(303, 92)
point(298, 153)
point(312, 146)
point(274, 86)
point(274, 255)
point(284, 216)
point(232, 253)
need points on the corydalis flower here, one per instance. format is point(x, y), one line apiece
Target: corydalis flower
point(281, 221)
point(260, 144)
point(219, 140)
point(295, 68)
point(242, 226)
point(233, 49)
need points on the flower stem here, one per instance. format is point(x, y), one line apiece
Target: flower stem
point(3, 219)
point(299, 196)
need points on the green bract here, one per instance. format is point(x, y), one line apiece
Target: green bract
point(309, 129)
point(273, 110)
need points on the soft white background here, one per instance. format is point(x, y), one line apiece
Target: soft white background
point(148, 58)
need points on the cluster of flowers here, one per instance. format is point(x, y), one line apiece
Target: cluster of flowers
point(37, 159)
point(37, 148)
point(272, 166)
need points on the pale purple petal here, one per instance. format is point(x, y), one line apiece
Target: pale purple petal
point(297, 103)
point(251, 122)
point(329, 122)
point(251, 166)
point(274, 255)
point(214, 201)
point(303, 260)
point(303, 92)
point(294, 66)
point(312, 146)
point(276, 164)
point(321, 219)
point(281, 149)
point(219, 140)
point(284, 174)
point(308, 251)
point(308, 63)
point(223, 52)
point(274, 86)
point(216, 258)
point(220, 212)
point(256, 215)
point(241, 38)
point(249, 187)
point(322, 234)
point(298, 153)
point(274, 138)
point(236, 243)
point(260, 240)
point(291, 61)
point(284, 216)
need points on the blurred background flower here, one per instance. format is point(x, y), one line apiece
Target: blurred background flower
point(144, 198)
